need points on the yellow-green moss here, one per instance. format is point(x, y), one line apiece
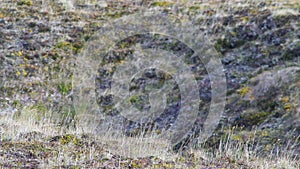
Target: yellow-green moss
point(162, 4)
point(65, 88)
point(288, 106)
point(254, 118)
point(285, 99)
point(64, 45)
point(2, 15)
point(222, 45)
point(194, 8)
point(70, 138)
point(25, 2)
point(134, 164)
point(117, 14)
point(237, 137)
point(245, 90)
point(135, 99)
point(39, 107)
point(286, 103)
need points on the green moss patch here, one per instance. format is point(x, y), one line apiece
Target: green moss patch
point(162, 4)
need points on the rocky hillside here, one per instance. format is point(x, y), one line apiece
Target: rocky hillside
point(258, 44)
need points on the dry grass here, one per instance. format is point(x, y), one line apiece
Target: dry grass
point(71, 147)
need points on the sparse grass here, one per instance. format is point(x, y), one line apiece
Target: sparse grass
point(48, 145)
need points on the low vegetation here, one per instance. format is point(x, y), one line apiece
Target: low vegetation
point(258, 45)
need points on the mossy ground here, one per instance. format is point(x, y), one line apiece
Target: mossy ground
point(39, 41)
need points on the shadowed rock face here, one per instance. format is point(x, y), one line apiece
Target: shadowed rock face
point(259, 49)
